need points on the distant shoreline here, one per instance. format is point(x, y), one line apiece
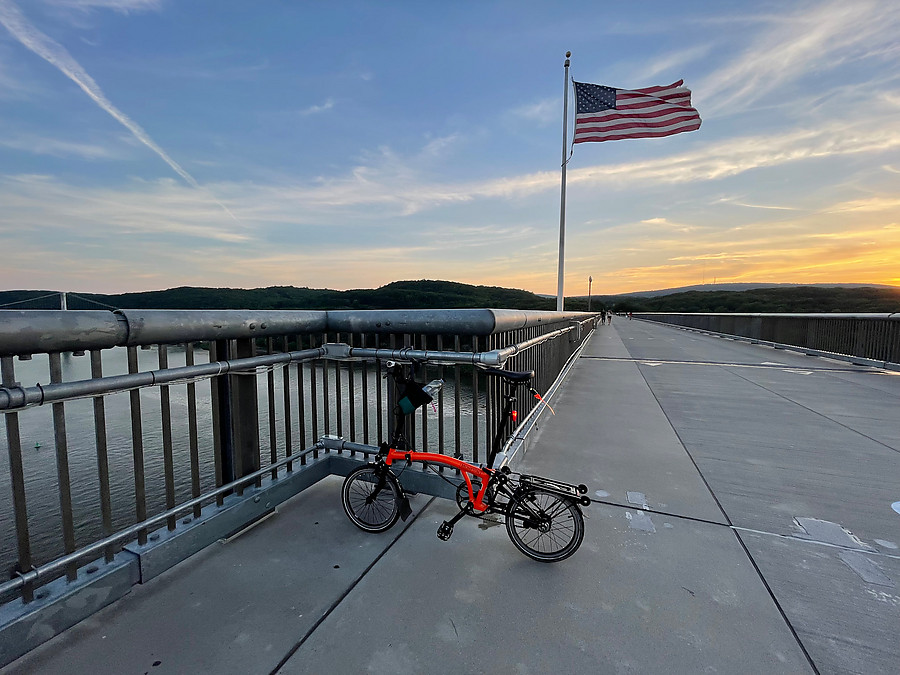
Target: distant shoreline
point(425, 294)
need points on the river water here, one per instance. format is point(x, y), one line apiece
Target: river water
point(40, 460)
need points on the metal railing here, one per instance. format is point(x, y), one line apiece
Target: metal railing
point(874, 337)
point(173, 412)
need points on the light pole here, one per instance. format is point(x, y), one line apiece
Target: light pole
point(590, 281)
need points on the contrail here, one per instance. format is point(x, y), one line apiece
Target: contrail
point(55, 54)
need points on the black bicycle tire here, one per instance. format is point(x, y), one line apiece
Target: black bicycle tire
point(557, 506)
point(377, 517)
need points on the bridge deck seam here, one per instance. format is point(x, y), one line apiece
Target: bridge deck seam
point(293, 650)
point(815, 412)
point(737, 536)
point(749, 530)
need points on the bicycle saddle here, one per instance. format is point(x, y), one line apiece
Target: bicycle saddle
point(511, 375)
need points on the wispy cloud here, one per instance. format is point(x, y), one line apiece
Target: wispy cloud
point(740, 201)
point(669, 63)
point(290, 238)
point(122, 6)
point(55, 54)
point(146, 209)
point(878, 203)
point(57, 148)
point(316, 109)
point(437, 148)
point(395, 185)
point(812, 39)
point(543, 112)
point(818, 245)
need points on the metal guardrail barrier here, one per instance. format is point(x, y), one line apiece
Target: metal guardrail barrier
point(874, 337)
point(179, 411)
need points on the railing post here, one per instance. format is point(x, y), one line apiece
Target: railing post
point(17, 481)
point(61, 441)
point(102, 453)
point(245, 415)
point(137, 448)
point(221, 411)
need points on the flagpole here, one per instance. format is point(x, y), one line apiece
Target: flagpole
point(562, 197)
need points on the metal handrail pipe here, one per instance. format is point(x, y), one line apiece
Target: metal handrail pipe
point(43, 331)
point(172, 326)
point(16, 398)
point(39, 331)
point(512, 350)
point(445, 321)
point(60, 564)
point(341, 351)
point(493, 358)
point(339, 444)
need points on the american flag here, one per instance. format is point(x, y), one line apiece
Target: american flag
point(610, 114)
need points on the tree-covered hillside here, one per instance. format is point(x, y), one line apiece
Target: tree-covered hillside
point(451, 295)
point(796, 299)
point(396, 295)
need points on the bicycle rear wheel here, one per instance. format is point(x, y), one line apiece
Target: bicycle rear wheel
point(544, 526)
point(371, 497)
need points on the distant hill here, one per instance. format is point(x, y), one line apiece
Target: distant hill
point(791, 299)
point(422, 294)
point(426, 294)
point(741, 287)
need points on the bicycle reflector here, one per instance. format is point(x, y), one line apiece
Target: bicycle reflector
point(515, 415)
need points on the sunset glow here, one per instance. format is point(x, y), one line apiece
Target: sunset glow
point(140, 149)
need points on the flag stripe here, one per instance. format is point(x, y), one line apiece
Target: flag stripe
point(656, 91)
point(692, 126)
point(662, 121)
point(599, 132)
point(656, 111)
point(665, 95)
point(649, 102)
point(609, 114)
point(623, 128)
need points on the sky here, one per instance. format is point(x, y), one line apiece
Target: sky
point(149, 144)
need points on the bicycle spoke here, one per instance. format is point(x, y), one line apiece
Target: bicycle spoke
point(544, 526)
point(370, 501)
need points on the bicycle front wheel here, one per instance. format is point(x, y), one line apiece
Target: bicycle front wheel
point(544, 526)
point(371, 497)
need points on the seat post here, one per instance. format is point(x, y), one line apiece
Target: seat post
point(508, 400)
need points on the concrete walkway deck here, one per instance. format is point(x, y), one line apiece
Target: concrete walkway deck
point(742, 524)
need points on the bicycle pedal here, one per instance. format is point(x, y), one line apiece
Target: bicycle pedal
point(444, 531)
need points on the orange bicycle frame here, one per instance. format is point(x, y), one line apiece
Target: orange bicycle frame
point(468, 471)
